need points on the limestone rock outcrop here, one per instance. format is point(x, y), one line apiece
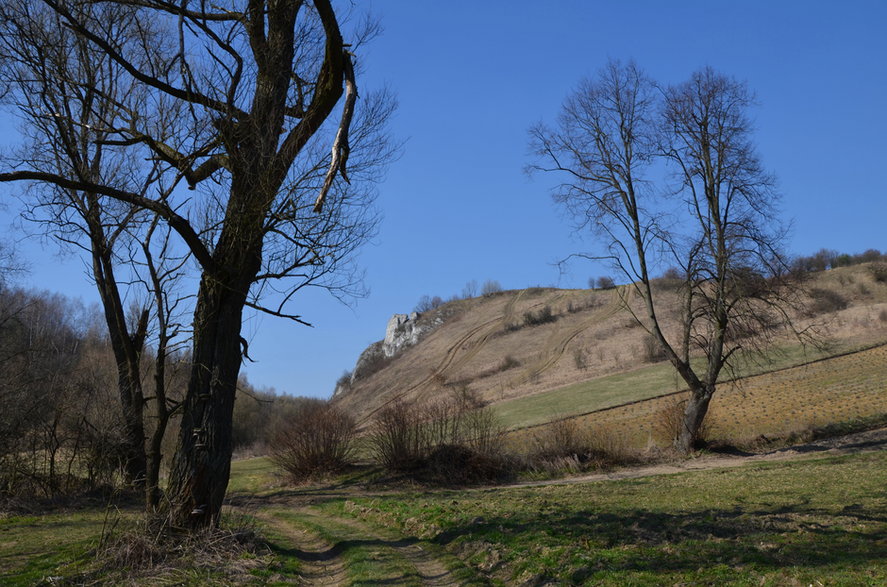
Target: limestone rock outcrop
point(402, 331)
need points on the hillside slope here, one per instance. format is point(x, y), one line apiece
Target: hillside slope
point(540, 353)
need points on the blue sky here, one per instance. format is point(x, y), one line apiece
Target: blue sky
point(470, 77)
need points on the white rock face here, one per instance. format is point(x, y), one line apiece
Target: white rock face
point(402, 331)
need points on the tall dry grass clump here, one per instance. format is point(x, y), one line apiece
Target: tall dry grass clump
point(152, 551)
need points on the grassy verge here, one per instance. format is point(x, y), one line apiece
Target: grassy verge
point(807, 522)
point(35, 548)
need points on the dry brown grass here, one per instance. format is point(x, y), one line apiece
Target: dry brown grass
point(150, 552)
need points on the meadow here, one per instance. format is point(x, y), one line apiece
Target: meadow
point(805, 522)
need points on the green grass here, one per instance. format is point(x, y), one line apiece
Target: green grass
point(33, 548)
point(368, 560)
point(789, 523)
point(254, 475)
point(640, 384)
point(775, 524)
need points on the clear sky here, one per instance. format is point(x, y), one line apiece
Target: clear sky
point(471, 77)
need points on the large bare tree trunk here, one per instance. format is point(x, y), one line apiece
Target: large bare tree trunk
point(202, 461)
point(692, 418)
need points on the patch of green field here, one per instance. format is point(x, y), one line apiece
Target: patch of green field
point(587, 396)
point(253, 475)
point(807, 522)
point(35, 548)
point(639, 384)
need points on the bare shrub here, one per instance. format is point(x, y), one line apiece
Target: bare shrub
point(454, 440)
point(427, 303)
point(562, 447)
point(579, 359)
point(879, 272)
point(396, 440)
point(508, 362)
point(882, 316)
point(442, 423)
point(606, 283)
point(653, 351)
point(825, 301)
point(561, 438)
point(482, 432)
point(317, 440)
point(490, 287)
point(455, 464)
point(543, 316)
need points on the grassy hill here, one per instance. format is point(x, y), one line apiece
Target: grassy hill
point(542, 354)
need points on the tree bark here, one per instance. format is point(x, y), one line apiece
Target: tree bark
point(202, 461)
point(693, 416)
point(127, 351)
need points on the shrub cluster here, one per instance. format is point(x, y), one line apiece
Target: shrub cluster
point(829, 259)
point(456, 440)
point(317, 439)
point(563, 447)
point(543, 316)
point(879, 272)
point(825, 300)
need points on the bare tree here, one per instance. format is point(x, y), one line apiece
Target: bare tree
point(271, 209)
point(73, 96)
point(721, 229)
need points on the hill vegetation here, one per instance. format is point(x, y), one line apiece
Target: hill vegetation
point(542, 354)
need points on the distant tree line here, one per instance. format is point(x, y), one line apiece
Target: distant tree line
point(428, 303)
point(830, 259)
point(61, 428)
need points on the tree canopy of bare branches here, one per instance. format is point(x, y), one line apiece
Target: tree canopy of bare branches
point(235, 101)
point(71, 97)
point(716, 220)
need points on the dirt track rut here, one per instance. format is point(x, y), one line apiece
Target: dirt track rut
point(323, 561)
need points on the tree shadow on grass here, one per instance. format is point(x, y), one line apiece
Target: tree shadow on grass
point(646, 541)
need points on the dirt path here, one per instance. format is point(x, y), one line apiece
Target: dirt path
point(323, 561)
point(320, 563)
point(430, 571)
point(868, 441)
